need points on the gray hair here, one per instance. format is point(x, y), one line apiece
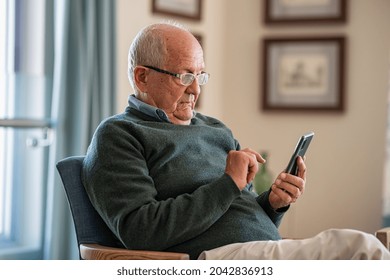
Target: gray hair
point(148, 48)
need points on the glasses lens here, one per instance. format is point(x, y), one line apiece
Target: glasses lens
point(203, 78)
point(187, 79)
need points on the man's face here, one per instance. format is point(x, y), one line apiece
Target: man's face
point(185, 55)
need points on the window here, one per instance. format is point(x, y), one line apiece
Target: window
point(24, 128)
point(4, 192)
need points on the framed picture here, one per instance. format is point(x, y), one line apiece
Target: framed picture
point(305, 11)
point(303, 74)
point(190, 9)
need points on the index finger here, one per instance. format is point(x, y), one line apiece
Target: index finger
point(258, 156)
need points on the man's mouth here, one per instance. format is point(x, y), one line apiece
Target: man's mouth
point(186, 104)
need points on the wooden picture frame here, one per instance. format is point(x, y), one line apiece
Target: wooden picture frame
point(188, 9)
point(303, 74)
point(304, 11)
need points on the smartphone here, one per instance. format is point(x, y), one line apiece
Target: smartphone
point(300, 150)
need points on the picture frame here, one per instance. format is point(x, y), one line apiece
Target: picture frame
point(188, 9)
point(305, 11)
point(304, 74)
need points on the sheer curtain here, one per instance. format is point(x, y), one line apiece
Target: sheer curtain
point(83, 74)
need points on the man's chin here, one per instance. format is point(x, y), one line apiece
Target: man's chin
point(183, 116)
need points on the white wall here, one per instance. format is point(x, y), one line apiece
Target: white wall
point(345, 162)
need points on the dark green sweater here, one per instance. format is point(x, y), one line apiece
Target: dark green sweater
point(161, 186)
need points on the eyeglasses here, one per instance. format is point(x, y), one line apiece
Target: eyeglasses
point(186, 79)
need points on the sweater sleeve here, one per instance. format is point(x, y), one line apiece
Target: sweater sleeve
point(275, 215)
point(116, 177)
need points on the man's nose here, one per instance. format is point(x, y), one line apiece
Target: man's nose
point(194, 88)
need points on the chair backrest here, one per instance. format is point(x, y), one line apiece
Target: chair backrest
point(90, 227)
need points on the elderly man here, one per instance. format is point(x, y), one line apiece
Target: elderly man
point(164, 177)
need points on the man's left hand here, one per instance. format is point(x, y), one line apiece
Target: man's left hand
point(288, 188)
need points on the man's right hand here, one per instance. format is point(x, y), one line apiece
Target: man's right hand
point(242, 166)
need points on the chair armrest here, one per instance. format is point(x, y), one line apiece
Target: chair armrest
point(99, 252)
point(384, 236)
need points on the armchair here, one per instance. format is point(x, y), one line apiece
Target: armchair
point(95, 240)
point(384, 236)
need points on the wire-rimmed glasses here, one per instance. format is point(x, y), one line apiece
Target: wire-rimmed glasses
point(186, 79)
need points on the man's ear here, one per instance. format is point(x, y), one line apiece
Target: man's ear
point(141, 77)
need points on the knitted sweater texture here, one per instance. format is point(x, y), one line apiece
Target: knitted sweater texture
point(161, 186)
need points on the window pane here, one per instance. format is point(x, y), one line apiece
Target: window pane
point(2, 39)
point(23, 150)
point(4, 192)
point(3, 205)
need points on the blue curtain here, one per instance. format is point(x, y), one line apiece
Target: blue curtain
point(83, 93)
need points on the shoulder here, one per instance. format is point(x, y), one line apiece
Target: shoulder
point(112, 138)
point(114, 130)
point(111, 123)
